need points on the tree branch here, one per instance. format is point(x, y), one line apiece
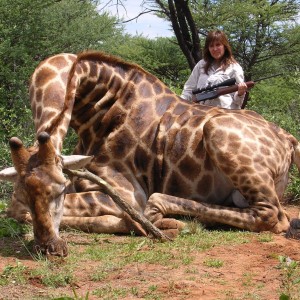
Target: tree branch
point(146, 224)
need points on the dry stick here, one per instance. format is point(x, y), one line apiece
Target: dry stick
point(120, 202)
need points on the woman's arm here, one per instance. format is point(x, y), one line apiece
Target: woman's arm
point(192, 81)
point(238, 96)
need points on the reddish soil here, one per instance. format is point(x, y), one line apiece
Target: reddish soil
point(249, 271)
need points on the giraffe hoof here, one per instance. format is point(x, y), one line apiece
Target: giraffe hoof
point(170, 227)
point(294, 230)
point(168, 223)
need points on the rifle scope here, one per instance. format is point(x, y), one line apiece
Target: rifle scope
point(227, 82)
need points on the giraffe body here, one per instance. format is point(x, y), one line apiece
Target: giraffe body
point(163, 155)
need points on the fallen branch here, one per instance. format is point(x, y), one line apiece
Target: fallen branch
point(109, 190)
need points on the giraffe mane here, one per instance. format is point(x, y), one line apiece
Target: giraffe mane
point(111, 59)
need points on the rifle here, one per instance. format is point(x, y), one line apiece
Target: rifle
point(217, 90)
point(227, 82)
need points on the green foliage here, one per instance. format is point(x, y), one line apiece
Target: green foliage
point(278, 103)
point(15, 274)
point(260, 32)
point(108, 292)
point(265, 237)
point(11, 228)
point(161, 57)
point(213, 263)
point(8, 226)
point(290, 278)
point(69, 142)
point(76, 296)
point(53, 275)
point(293, 189)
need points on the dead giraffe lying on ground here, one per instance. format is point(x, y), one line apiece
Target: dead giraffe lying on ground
point(163, 155)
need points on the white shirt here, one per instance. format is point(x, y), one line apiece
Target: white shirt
point(199, 79)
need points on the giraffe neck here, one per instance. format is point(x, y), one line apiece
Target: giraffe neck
point(47, 95)
point(112, 97)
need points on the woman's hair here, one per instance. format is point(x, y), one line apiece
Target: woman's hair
point(217, 36)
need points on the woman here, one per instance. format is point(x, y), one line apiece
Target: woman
point(217, 65)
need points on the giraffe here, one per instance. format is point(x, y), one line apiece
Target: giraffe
point(165, 156)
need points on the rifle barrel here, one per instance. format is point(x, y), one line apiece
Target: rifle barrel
point(267, 77)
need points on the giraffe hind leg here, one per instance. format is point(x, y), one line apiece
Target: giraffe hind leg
point(237, 199)
point(254, 218)
point(294, 229)
point(232, 145)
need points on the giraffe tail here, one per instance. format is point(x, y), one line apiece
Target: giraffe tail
point(296, 156)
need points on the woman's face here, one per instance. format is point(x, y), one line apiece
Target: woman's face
point(216, 50)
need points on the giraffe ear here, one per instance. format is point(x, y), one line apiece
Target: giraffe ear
point(74, 162)
point(9, 174)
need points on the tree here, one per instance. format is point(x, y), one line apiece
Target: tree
point(31, 30)
point(259, 31)
point(179, 15)
point(158, 56)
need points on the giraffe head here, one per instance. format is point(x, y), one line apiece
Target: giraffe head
point(40, 185)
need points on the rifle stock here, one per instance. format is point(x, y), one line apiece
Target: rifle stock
point(221, 91)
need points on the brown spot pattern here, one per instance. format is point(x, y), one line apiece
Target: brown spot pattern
point(162, 105)
point(122, 143)
point(205, 184)
point(189, 168)
point(177, 186)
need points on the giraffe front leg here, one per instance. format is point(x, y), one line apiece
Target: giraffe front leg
point(96, 212)
point(103, 224)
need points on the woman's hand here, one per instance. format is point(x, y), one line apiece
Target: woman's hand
point(242, 88)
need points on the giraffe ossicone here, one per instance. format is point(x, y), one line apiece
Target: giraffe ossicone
point(163, 155)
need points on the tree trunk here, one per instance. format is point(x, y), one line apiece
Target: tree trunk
point(185, 29)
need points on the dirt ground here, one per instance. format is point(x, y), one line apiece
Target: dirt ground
point(250, 271)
